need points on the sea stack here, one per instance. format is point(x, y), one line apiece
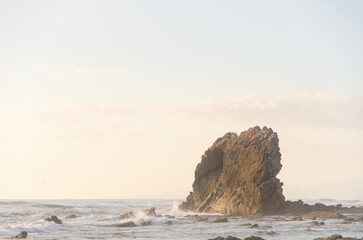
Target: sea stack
point(237, 176)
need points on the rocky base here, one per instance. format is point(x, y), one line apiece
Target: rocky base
point(301, 208)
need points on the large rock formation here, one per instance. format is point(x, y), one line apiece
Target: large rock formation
point(237, 175)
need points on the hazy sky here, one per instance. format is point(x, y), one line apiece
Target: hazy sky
point(119, 99)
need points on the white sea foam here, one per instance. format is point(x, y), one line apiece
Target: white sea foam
point(95, 219)
point(140, 218)
point(31, 227)
point(175, 207)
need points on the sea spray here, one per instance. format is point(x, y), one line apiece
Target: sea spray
point(175, 206)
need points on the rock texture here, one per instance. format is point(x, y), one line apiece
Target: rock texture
point(71, 216)
point(226, 238)
point(54, 219)
point(301, 208)
point(253, 238)
point(150, 212)
point(20, 235)
point(237, 176)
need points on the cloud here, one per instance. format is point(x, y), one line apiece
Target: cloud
point(318, 109)
point(306, 109)
point(302, 109)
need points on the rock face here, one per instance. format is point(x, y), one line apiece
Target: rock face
point(150, 212)
point(237, 176)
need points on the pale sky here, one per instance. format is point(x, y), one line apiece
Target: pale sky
point(119, 99)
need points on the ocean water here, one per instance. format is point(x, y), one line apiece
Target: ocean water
point(96, 220)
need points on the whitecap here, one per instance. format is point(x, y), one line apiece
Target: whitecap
point(36, 226)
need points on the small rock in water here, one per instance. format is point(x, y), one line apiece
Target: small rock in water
point(150, 212)
point(337, 237)
point(333, 237)
point(126, 224)
point(316, 223)
point(348, 220)
point(254, 225)
point(169, 222)
point(246, 224)
point(20, 235)
point(227, 238)
point(54, 219)
point(253, 238)
point(272, 233)
point(197, 218)
point(126, 215)
point(299, 218)
point(220, 220)
point(71, 216)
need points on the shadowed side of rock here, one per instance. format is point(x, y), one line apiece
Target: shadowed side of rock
point(237, 175)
